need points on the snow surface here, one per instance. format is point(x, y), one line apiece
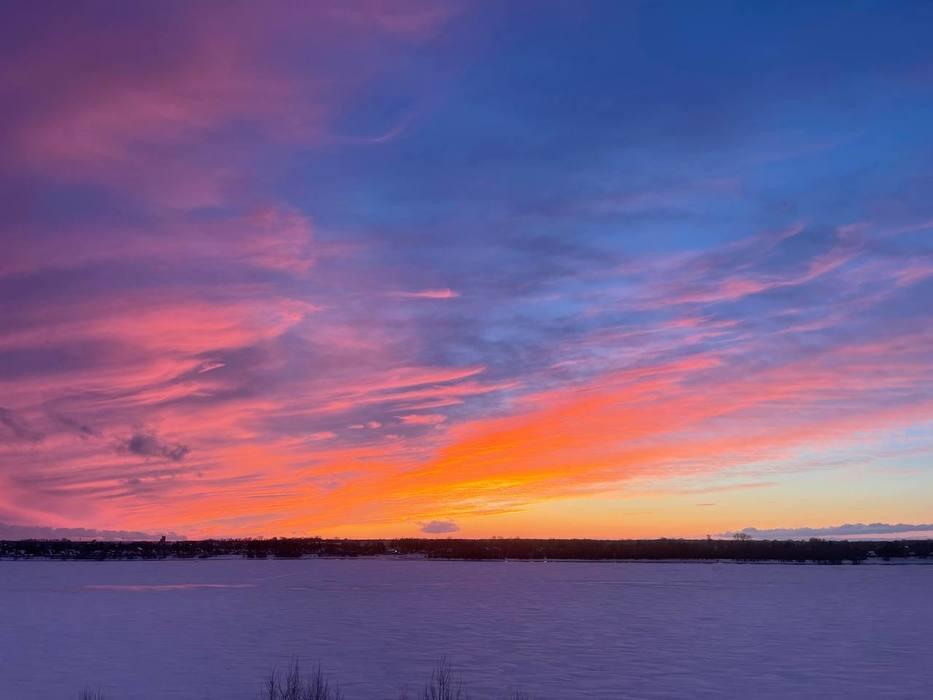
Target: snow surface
point(213, 629)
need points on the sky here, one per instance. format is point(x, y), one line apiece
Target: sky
point(555, 269)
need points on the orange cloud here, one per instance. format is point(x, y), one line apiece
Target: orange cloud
point(647, 422)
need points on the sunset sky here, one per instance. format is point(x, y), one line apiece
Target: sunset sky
point(606, 269)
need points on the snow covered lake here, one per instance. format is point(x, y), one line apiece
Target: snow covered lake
point(213, 629)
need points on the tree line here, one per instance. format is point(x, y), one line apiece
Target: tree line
point(812, 550)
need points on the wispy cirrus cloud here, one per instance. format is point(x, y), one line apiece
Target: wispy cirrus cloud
point(324, 267)
point(169, 126)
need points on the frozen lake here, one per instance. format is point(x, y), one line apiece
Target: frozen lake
point(213, 629)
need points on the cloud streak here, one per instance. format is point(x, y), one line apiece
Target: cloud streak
point(428, 294)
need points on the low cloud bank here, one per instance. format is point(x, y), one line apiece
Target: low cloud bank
point(39, 532)
point(863, 530)
point(439, 527)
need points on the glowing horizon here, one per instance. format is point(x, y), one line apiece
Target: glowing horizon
point(366, 269)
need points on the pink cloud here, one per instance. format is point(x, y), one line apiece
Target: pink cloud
point(167, 127)
point(428, 294)
point(423, 419)
point(270, 238)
